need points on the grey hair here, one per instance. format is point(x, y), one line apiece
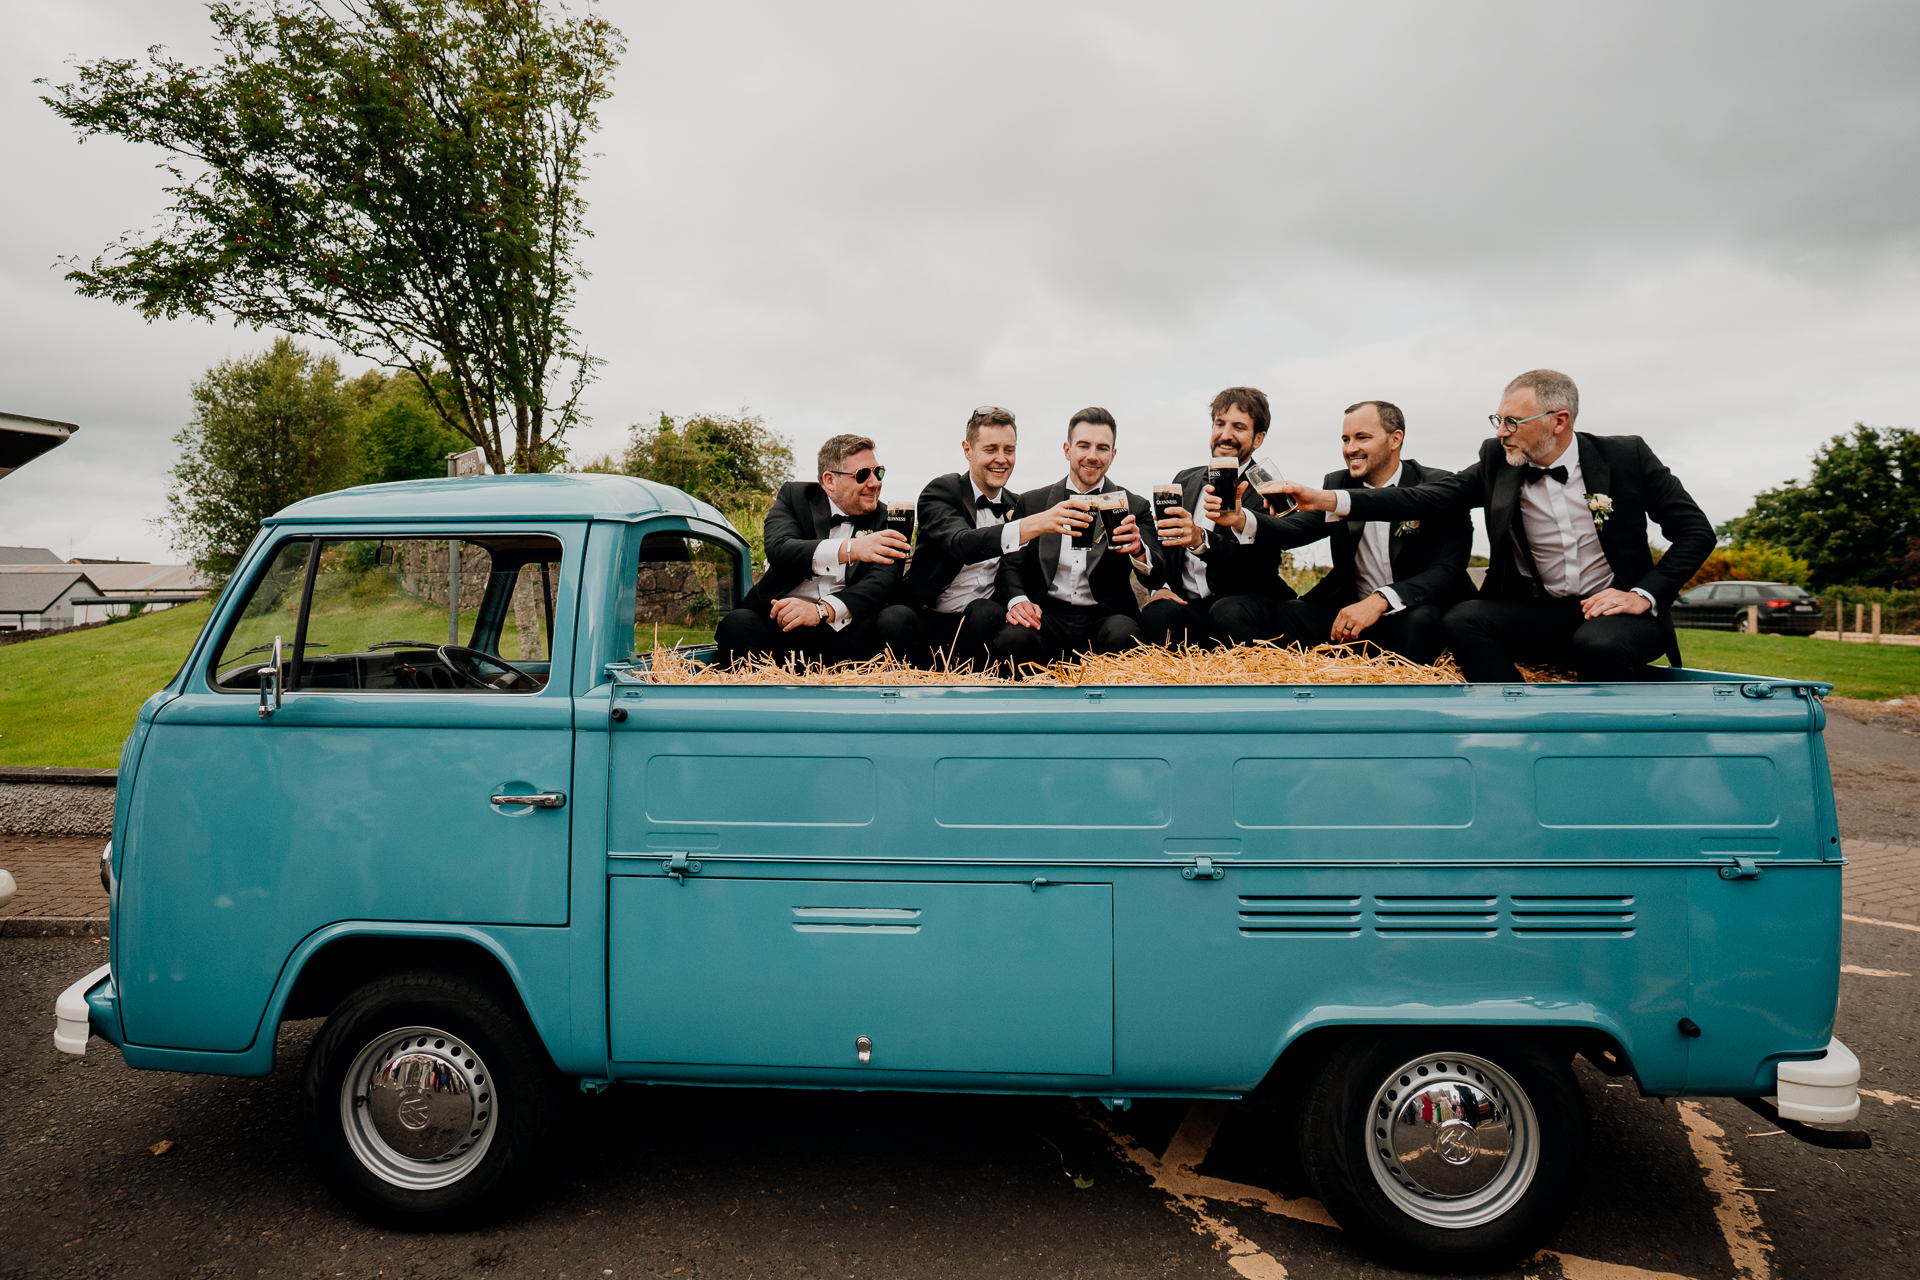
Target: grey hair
point(1552, 391)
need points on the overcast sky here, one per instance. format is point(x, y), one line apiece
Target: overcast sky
point(874, 217)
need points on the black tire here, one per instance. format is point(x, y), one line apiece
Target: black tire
point(1519, 1097)
point(490, 1097)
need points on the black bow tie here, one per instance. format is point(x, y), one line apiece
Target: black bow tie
point(1535, 474)
point(982, 500)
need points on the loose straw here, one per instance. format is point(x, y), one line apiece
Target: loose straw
point(1261, 663)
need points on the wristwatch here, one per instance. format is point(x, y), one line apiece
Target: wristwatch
point(826, 610)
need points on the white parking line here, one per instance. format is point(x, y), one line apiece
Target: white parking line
point(1891, 1099)
point(1734, 1209)
point(1188, 1193)
point(1890, 924)
point(1873, 973)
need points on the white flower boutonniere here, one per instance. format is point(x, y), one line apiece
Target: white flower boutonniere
point(1601, 506)
point(1405, 527)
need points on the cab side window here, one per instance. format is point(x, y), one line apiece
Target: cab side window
point(400, 615)
point(686, 584)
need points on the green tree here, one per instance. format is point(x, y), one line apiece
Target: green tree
point(267, 430)
point(1853, 517)
point(398, 177)
point(400, 437)
point(736, 463)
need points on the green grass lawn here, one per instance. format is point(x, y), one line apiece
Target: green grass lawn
point(71, 699)
point(1854, 670)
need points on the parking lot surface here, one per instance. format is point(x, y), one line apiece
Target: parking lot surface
point(758, 1183)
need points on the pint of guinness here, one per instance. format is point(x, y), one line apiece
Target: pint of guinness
point(900, 519)
point(1266, 481)
point(1223, 478)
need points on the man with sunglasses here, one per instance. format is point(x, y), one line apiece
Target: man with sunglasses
point(831, 565)
point(1570, 579)
point(1064, 599)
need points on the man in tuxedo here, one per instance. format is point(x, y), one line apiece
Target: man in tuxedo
point(1392, 581)
point(1570, 578)
point(831, 564)
point(1062, 599)
point(1210, 566)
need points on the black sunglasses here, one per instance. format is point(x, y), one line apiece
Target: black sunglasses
point(988, 410)
point(860, 476)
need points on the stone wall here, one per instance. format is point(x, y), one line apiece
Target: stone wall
point(57, 802)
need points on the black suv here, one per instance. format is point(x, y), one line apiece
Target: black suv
point(1722, 606)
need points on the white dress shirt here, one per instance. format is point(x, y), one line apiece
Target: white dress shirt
point(975, 581)
point(1373, 558)
point(1071, 581)
point(1193, 569)
point(829, 575)
point(1567, 559)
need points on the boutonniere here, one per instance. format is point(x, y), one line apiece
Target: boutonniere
point(1601, 505)
point(1405, 527)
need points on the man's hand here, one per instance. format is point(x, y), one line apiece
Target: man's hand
point(1025, 614)
point(1068, 517)
point(882, 546)
point(1126, 539)
point(1164, 594)
point(1611, 600)
point(1357, 617)
point(1235, 519)
point(1309, 499)
point(791, 613)
point(1179, 530)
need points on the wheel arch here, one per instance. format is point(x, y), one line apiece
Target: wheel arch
point(1304, 1051)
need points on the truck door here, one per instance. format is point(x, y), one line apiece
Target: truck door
point(416, 673)
point(766, 906)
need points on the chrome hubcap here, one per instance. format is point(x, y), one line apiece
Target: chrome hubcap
point(418, 1108)
point(1452, 1140)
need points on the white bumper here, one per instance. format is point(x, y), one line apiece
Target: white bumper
point(70, 1027)
point(1823, 1091)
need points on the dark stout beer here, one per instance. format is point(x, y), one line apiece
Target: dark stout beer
point(900, 519)
point(1223, 478)
point(1165, 496)
point(1266, 480)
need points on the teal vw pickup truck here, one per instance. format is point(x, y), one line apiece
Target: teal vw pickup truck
point(413, 779)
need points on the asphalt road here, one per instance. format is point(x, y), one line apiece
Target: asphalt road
point(758, 1183)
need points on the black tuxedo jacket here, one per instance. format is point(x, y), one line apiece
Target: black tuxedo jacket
point(1622, 467)
point(1029, 571)
point(797, 524)
point(1234, 568)
point(1429, 563)
point(948, 539)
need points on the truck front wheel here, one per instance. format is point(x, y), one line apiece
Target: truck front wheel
point(1445, 1151)
point(426, 1098)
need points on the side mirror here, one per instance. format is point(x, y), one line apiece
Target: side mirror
point(270, 680)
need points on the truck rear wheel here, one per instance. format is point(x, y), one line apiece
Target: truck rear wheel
point(1445, 1151)
point(426, 1098)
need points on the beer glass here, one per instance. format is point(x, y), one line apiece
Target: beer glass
point(1112, 506)
point(900, 519)
point(1223, 478)
point(1266, 481)
point(1164, 497)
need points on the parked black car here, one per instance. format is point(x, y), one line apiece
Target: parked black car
point(1722, 606)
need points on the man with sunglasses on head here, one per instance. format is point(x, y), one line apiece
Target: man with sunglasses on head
point(1063, 599)
point(1570, 580)
point(1217, 577)
point(831, 565)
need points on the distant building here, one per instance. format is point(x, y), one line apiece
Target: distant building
point(40, 592)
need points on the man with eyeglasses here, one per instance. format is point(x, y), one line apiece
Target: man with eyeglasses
point(831, 565)
point(1570, 579)
point(947, 615)
point(1063, 599)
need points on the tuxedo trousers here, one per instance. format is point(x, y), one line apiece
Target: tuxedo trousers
point(1176, 622)
point(1488, 636)
point(748, 632)
point(1065, 628)
point(930, 640)
point(1415, 634)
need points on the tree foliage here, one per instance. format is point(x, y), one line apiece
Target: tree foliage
point(399, 437)
point(1853, 518)
point(1753, 562)
point(267, 430)
point(399, 177)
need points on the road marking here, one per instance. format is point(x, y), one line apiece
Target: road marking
point(1891, 1099)
point(1891, 924)
point(1873, 973)
point(1189, 1191)
point(1736, 1210)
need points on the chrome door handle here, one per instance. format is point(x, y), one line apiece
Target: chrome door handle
point(545, 800)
